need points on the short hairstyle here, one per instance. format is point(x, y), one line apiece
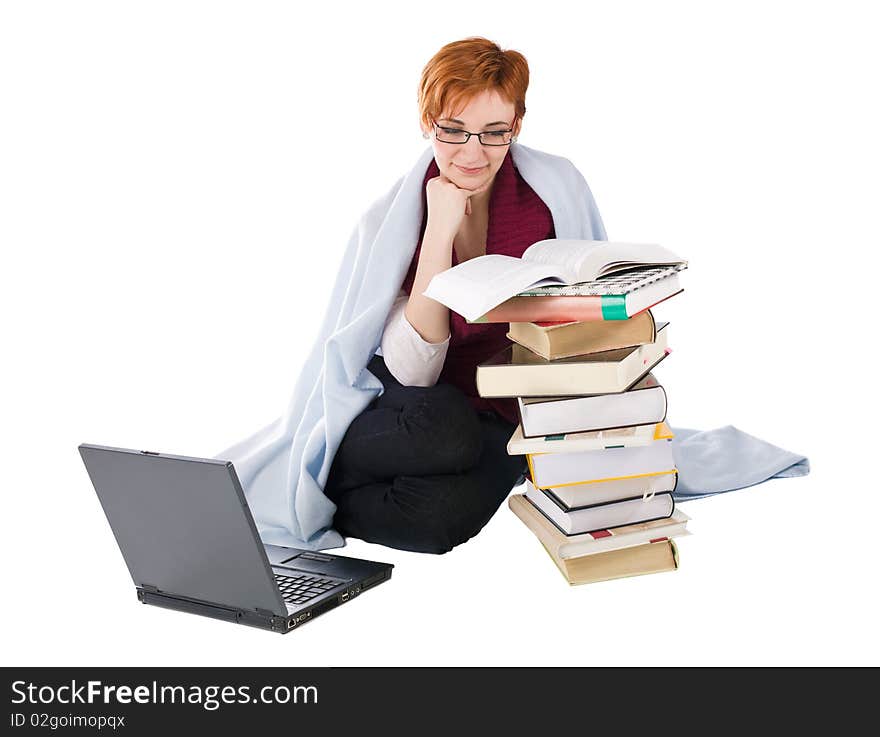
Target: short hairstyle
point(463, 69)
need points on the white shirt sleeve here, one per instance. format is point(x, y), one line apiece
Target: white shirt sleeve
point(409, 357)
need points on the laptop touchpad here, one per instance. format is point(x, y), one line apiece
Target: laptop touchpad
point(313, 567)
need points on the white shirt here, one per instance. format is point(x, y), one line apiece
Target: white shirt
point(411, 359)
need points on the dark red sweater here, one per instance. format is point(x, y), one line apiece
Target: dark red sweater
point(517, 218)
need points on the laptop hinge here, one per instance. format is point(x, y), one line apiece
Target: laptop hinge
point(149, 588)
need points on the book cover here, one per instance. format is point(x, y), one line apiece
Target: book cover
point(602, 515)
point(516, 371)
point(597, 541)
point(655, 556)
point(644, 403)
point(562, 340)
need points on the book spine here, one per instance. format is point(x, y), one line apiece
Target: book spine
point(614, 307)
point(558, 309)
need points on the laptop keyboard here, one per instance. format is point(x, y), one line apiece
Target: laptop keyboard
point(300, 588)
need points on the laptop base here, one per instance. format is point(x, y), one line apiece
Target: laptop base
point(263, 620)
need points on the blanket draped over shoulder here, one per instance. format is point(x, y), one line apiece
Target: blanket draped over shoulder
point(284, 466)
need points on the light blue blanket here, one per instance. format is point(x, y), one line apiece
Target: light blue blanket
point(284, 466)
point(711, 462)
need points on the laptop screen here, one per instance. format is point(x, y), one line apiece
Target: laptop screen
point(183, 526)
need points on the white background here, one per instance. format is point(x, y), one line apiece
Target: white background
point(177, 183)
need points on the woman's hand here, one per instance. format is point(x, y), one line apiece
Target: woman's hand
point(448, 204)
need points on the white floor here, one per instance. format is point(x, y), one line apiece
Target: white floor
point(167, 250)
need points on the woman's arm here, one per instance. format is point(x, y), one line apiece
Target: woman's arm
point(416, 336)
point(428, 317)
point(448, 205)
point(411, 360)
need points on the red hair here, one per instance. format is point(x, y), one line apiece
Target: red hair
point(463, 69)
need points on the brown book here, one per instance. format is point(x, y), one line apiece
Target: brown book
point(563, 340)
point(515, 371)
point(652, 557)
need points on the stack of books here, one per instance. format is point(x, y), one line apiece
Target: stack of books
point(592, 414)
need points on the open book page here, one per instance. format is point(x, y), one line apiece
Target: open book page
point(589, 260)
point(475, 286)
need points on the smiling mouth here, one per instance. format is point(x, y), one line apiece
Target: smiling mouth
point(470, 169)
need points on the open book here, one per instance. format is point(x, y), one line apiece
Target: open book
point(475, 286)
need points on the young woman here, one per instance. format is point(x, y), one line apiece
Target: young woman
point(425, 466)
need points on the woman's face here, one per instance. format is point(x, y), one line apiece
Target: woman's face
point(470, 165)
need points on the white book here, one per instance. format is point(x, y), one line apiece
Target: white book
point(643, 404)
point(475, 286)
point(557, 469)
point(583, 495)
point(625, 282)
point(602, 516)
point(598, 541)
point(622, 437)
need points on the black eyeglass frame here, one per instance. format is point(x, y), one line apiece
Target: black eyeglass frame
point(478, 135)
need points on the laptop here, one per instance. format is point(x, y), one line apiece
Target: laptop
point(190, 543)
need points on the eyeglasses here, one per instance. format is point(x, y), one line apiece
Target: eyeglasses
point(445, 134)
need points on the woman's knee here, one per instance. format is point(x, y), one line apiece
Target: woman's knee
point(423, 514)
point(443, 511)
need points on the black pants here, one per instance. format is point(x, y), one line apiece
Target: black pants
point(420, 469)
